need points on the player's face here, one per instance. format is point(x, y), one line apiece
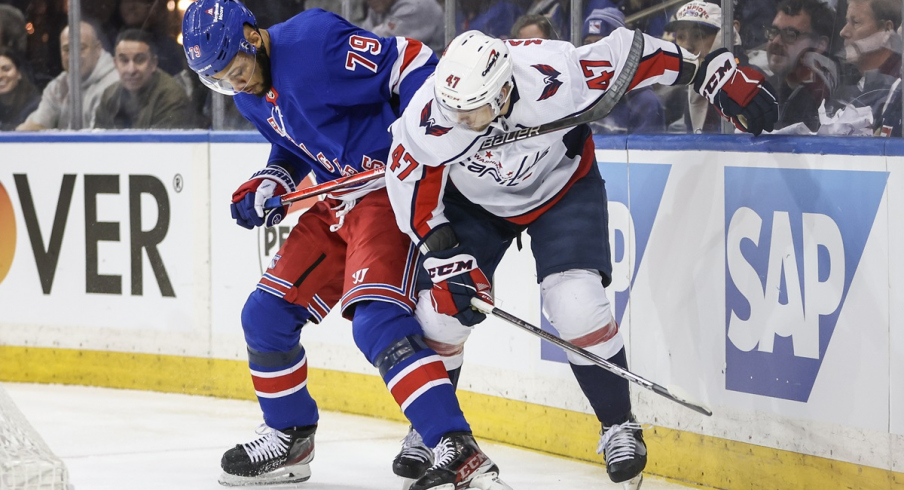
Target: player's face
point(475, 119)
point(238, 76)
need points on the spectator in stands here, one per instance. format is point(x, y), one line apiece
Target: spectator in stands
point(148, 15)
point(145, 97)
point(97, 73)
point(12, 29)
point(873, 45)
point(755, 17)
point(557, 12)
point(18, 96)
point(871, 40)
point(653, 23)
point(697, 28)
point(494, 18)
point(600, 23)
point(804, 72)
point(415, 19)
point(533, 27)
point(639, 111)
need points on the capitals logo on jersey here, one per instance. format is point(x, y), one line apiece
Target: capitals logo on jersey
point(429, 123)
point(551, 81)
point(793, 241)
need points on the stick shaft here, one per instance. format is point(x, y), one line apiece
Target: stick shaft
point(325, 188)
point(599, 361)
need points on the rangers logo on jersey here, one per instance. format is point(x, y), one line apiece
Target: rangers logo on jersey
point(427, 122)
point(551, 81)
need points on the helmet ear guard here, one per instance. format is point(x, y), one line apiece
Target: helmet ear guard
point(472, 73)
point(213, 34)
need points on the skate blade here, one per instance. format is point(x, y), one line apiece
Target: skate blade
point(488, 481)
point(281, 476)
point(634, 483)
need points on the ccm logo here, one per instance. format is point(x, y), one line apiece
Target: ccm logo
point(452, 268)
point(471, 466)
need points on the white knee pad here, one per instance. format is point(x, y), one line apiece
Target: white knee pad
point(443, 333)
point(575, 303)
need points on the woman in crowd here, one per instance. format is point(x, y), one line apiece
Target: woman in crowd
point(18, 96)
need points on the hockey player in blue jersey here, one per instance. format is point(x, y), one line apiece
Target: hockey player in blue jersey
point(323, 92)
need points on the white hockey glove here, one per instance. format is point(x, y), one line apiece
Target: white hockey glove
point(248, 201)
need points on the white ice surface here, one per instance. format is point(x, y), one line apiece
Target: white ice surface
point(133, 440)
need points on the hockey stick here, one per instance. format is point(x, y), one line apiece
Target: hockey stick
point(598, 111)
point(325, 188)
point(599, 361)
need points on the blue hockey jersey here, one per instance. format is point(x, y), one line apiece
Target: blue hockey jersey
point(336, 89)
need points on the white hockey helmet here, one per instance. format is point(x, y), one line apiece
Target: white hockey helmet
point(472, 73)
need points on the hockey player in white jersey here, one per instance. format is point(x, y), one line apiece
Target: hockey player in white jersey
point(463, 206)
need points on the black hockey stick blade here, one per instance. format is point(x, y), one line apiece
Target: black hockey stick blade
point(615, 369)
point(600, 110)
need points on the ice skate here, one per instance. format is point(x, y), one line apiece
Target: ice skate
point(634, 483)
point(279, 456)
point(413, 460)
point(460, 465)
point(624, 450)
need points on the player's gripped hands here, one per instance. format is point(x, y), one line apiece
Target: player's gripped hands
point(248, 200)
point(740, 94)
point(456, 279)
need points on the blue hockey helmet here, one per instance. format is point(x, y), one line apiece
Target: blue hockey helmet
point(213, 33)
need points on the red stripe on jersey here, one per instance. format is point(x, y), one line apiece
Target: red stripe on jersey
point(281, 383)
point(411, 51)
point(656, 65)
point(584, 167)
point(597, 336)
point(426, 200)
point(418, 378)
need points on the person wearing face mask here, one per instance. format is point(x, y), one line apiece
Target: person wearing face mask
point(18, 96)
point(873, 45)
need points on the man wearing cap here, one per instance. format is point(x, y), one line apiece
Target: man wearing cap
point(697, 27)
point(639, 111)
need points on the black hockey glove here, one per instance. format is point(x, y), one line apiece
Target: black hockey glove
point(456, 279)
point(741, 94)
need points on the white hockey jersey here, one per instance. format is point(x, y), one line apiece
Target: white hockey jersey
point(519, 180)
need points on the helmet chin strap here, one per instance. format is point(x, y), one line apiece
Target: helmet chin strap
point(499, 101)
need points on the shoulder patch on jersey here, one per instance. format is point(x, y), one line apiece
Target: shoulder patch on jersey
point(428, 122)
point(551, 80)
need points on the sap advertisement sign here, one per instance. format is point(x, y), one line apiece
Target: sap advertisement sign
point(793, 241)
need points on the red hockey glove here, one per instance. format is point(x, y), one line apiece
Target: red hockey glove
point(456, 279)
point(741, 94)
point(248, 201)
